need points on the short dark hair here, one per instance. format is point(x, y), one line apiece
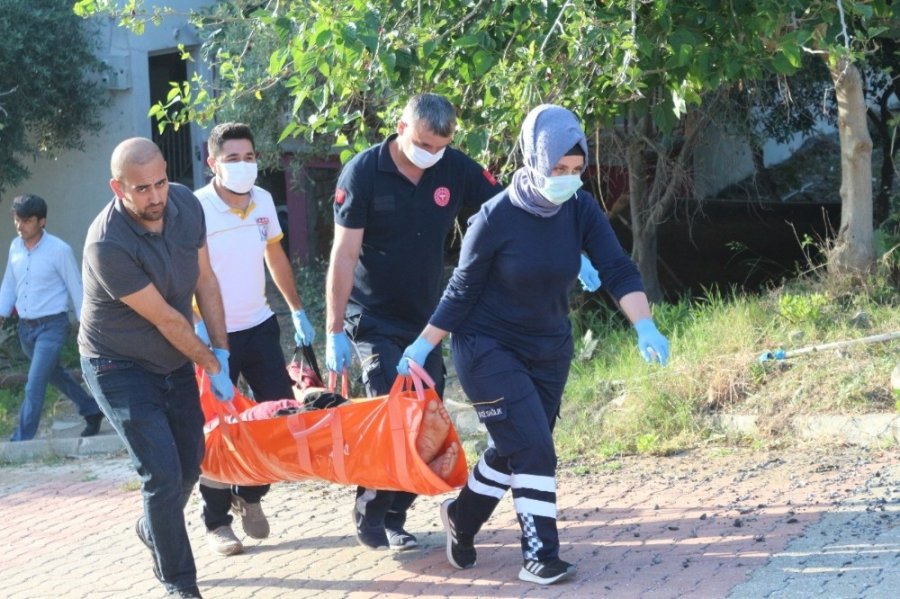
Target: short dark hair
point(434, 111)
point(225, 131)
point(28, 205)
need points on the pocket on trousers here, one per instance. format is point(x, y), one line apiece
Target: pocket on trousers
point(373, 378)
point(105, 365)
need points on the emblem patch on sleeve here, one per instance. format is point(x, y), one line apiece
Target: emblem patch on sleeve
point(262, 223)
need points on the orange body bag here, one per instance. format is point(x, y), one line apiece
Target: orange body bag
point(367, 442)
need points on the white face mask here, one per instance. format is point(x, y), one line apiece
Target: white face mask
point(237, 177)
point(422, 158)
point(560, 189)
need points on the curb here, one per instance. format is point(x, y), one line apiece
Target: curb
point(866, 430)
point(65, 447)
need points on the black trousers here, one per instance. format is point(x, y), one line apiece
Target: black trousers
point(380, 344)
point(256, 355)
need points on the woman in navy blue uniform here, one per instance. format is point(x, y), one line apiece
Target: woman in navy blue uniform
point(507, 307)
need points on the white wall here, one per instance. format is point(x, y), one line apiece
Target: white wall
point(76, 184)
point(721, 159)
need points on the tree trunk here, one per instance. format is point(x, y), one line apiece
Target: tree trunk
point(853, 250)
point(643, 227)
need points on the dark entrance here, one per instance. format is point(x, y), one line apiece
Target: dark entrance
point(175, 145)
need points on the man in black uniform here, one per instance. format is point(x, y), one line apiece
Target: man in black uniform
point(394, 206)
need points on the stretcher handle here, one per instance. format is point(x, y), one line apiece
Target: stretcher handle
point(417, 372)
point(307, 356)
point(299, 433)
point(223, 409)
point(345, 384)
point(295, 426)
point(417, 376)
point(398, 422)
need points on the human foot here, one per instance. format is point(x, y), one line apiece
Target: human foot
point(435, 427)
point(444, 463)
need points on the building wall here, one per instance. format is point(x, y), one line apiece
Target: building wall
point(76, 184)
point(722, 159)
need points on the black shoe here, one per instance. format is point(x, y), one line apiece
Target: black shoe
point(139, 529)
point(92, 425)
point(546, 572)
point(460, 546)
point(373, 537)
point(400, 540)
point(192, 592)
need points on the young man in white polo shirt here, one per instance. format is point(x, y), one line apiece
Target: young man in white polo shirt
point(244, 237)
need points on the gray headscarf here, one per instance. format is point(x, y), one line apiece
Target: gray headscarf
point(549, 131)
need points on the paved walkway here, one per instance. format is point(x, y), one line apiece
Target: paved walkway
point(706, 524)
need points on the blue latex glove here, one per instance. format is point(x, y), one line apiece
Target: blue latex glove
point(337, 352)
point(588, 275)
point(221, 383)
point(305, 333)
point(417, 352)
point(651, 343)
point(200, 330)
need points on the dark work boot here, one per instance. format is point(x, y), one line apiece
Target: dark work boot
point(92, 425)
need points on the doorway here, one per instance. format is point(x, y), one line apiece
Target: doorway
point(176, 146)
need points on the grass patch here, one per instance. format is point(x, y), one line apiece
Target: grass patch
point(13, 366)
point(130, 486)
point(615, 404)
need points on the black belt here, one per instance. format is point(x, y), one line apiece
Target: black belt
point(33, 322)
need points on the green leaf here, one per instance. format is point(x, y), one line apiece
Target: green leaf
point(277, 61)
point(781, 64)
point(663, 116)
point(288, 131)
point(685, 55)
point(323, 38)
point(483, 62)
point(793, 54)
point(323, 66)
point(305, 61)
point(389, 60)
point(466, 41)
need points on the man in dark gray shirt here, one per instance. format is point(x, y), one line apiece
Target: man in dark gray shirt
point(145, 257)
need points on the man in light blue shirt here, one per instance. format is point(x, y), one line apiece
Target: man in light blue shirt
point(41, 275)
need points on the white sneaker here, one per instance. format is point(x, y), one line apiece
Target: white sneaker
point(223, 541)
point(253, 520)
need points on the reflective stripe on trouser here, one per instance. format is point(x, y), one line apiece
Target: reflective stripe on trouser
point(534, 498)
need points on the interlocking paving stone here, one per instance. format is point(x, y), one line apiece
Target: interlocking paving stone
point(736, 524)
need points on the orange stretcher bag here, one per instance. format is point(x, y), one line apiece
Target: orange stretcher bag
point(366, 442)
